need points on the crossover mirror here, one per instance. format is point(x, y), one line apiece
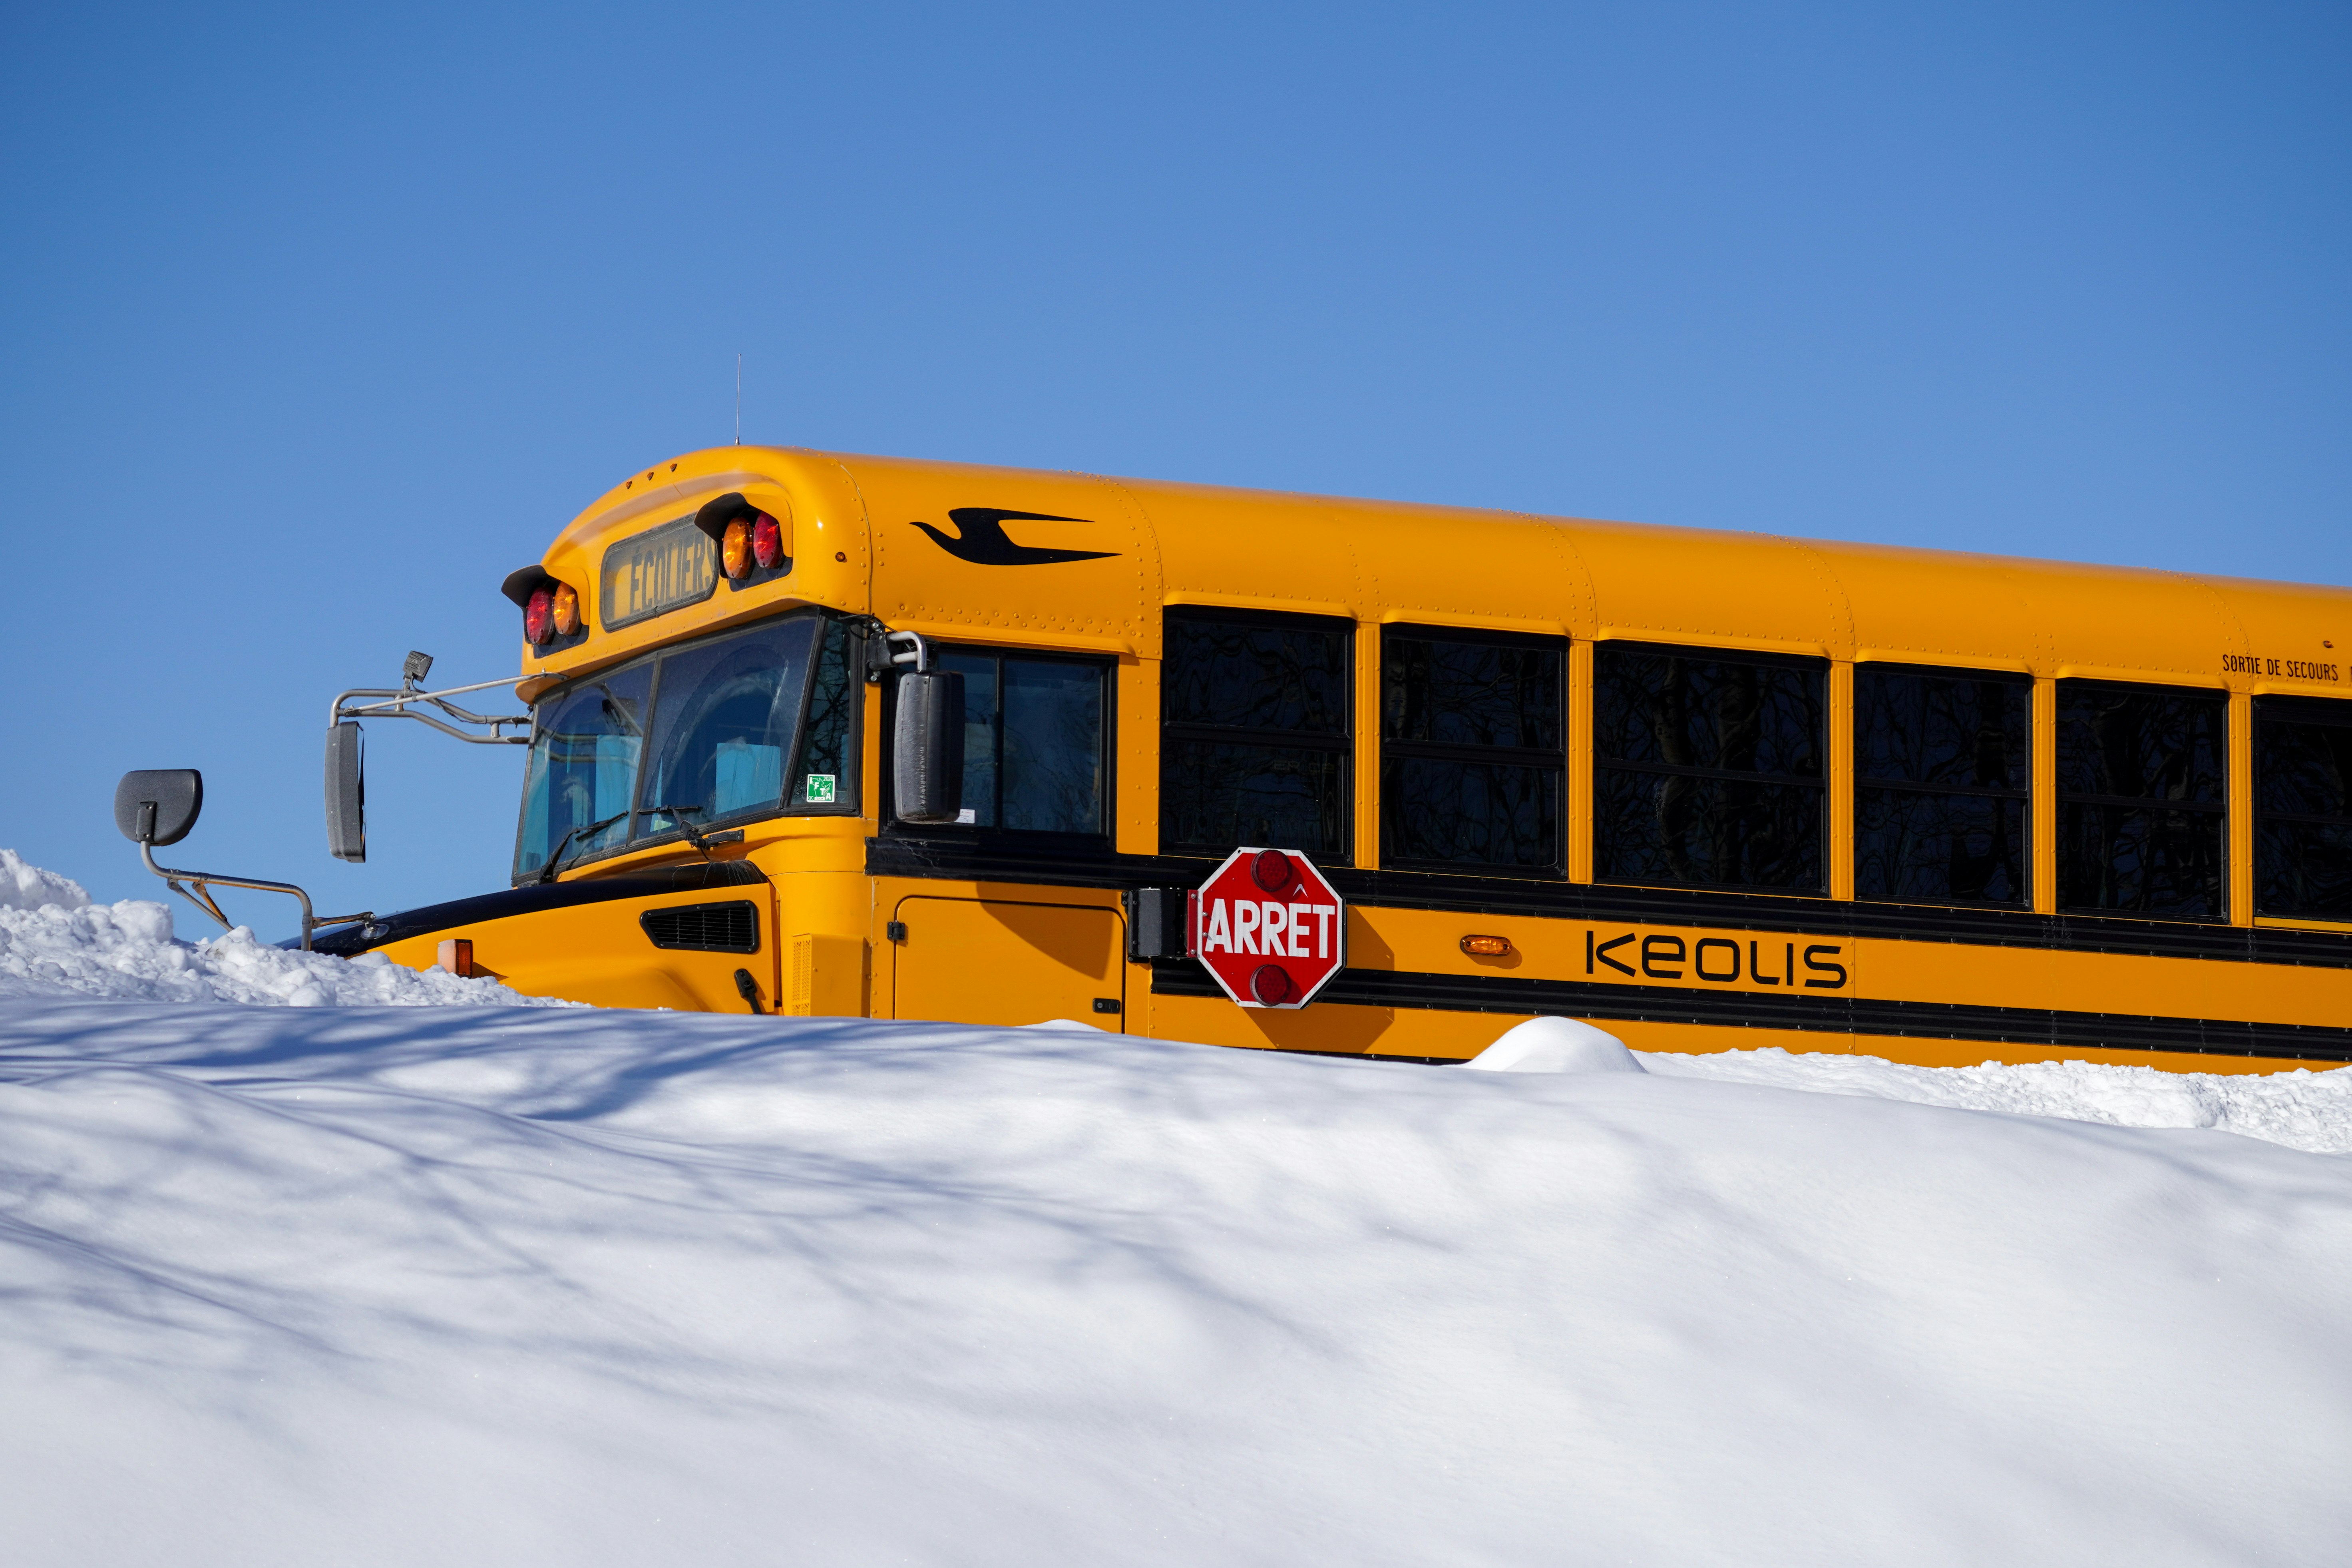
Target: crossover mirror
point(158, 806)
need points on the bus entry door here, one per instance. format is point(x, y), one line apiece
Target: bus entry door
point(990, 961)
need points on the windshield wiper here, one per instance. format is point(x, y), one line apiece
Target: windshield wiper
point(679, 812)
point(555, 858)
point(555, 861)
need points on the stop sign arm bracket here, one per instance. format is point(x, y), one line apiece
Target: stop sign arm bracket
point(1159, 923)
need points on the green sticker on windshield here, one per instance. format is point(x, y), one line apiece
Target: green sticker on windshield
point(820, 789)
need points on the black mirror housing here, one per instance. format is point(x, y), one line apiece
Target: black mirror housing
point(158, 806)
point(927, 747)
point(346, 794)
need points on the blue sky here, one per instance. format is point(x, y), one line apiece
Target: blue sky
point(316, 324)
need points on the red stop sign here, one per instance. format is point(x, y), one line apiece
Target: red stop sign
point(1271, 930)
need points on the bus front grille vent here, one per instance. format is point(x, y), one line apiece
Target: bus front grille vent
point(705, 928)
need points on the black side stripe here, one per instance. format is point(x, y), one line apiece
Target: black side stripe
point(1823, 1015)
point(350, 941)
point(981, 860)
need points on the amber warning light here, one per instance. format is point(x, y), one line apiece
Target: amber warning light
point(752, 540)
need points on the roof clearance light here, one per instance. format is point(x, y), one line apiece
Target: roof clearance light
point(539, 616)
point(767, 542)
point(567, 609)
point(735, 550)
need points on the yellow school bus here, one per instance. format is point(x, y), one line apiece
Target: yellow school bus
point(1709, 790)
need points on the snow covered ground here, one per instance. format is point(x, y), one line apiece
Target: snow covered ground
point(54, 942)
point(485, 1284)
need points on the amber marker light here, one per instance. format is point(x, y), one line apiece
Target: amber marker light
point(767, 542)
point(1487, 946)
point(539, 616)
point(567, 609)
point(735, 550)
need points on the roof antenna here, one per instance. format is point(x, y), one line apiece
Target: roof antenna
point(739, 400)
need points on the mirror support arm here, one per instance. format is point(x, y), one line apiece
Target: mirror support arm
point(398, 704)
point(202, 897)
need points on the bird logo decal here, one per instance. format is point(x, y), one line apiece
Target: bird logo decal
point(979, 538)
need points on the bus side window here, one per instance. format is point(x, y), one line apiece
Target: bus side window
point(829, 753)
point(1708, 768)
point(2302, 801)
point(1034, 758)
point(1940, 765)
point(1255, 733)
point(2142, 799)
point(1473, 750)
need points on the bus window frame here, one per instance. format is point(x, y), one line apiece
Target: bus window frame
point(1508, 756)
point(1011, 840)
point(1859, 781)
point(2219, 811)
point(846, 799)
point(2290, 708)
point(1597, 765)
point(1343, 746)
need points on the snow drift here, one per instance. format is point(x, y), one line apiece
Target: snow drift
point(55, 942)
point(480, 1285)
point(475, 1286)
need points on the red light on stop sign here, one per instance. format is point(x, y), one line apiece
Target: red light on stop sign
point(1269, 928)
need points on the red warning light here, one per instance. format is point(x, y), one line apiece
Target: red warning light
point(539, 616)
point(767, 542)
point(1269, 928)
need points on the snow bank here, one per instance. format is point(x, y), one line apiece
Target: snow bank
point(55, 942)
point(1555, 1044)
point(2300, 1108)
point(27, 887)
point(488, 1286)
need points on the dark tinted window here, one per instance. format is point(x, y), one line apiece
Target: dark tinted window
point(1444, 692)
point(1707, 769)
point(1471, 761)
point(1247, 675)
point(1215, 794)
point(2139, 743)
point(2142, 775)
point(2303, 799)
point(1702, 712)
point(1034, 760)
point(1941, 770)
point(1964, 731)
point(1255, 713)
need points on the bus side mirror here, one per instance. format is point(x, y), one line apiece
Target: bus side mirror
point(927, 747)
point(346, 794)
point(158, 806)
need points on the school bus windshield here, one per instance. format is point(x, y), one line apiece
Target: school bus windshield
point(692, 736)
